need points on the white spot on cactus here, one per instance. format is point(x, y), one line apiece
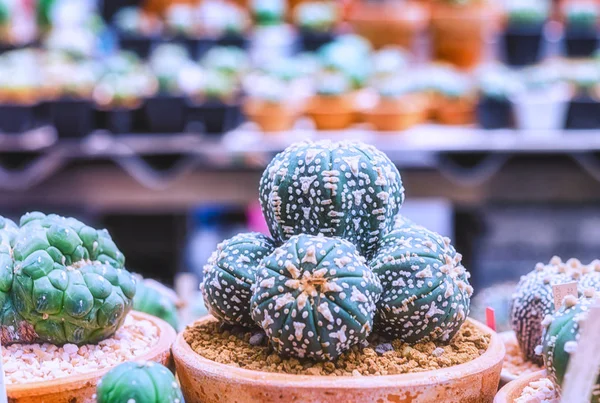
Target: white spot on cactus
point(323, 309)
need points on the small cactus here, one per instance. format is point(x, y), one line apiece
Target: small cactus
point(561, 334)
point(315, 297)
point(426, 292)
point(229, 275)
point(143, 382)
point(346, 189)
point(533, 299)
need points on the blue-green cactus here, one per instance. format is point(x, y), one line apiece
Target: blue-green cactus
point(533, 299)
point(156, 299)
point(426, 292)
point(61, 281)
point(346, 189)
point(315, 297)
point(229, 275)
point(561, 334)
point(139, 382)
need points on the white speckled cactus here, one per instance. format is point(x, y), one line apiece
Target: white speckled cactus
point(229, 275)
point(346, 189)
point(426, 292)
point(315, 297)
point(533, 299)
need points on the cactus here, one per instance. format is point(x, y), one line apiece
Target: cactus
point(426, 292)
point(315, 297)
point(229, 275)
point(561, 334)
point(156, 299)
point(533, 299)
point(61, 281)
point(345, 189)
point(147, 382)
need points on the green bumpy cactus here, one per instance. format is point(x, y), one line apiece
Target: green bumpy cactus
point(345, 189)
point(139, 382)
point(61, 281)
point(229, 276)
point(315, 297)
point(533, 299)
point(426, 292)
point(156, 299)
point(561, 334)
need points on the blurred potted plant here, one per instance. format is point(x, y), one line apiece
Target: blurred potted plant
point(351, 55)
point(525, 21)
point(541, 103)
point(459, 30)
point(164, 112)
point(121, 91)
point(389, 61)
point(216, 107)
point(20, 90)
point(496, 86)
point(69, 84)
point(453, 96)
point(138, 31)
point(268, 104)
point(389, 22)
point(317, 21)
point(581, 27)
point(401, 105)
point(182, 28)
point(332, 107)
point(584, 107)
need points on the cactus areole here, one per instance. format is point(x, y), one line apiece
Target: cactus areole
point(345, 189)
point(61, 281)
point(315, 297)
point(426, 292)
point(229, 275)
point(561, 335)
point(533, 299)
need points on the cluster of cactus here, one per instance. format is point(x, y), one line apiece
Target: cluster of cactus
point(534, 299)
point(561, 335)
point(341, 263)
point(147, 382)
point(61, 281)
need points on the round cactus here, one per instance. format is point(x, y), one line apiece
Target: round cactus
point(426, 292)
point(156, 299)
point(533, 299)
point(315, 297)
point(561, 334)
point(345, 189)
point(229, 275)
point(142, 382)
point(61, 280)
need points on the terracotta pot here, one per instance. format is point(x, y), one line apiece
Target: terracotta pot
point(82, 388)
point(398, 114)
point(332, 112)
point(206, 381)
point(459, 32)
point(455, 111)
point(513, 390)
point(270, 116)
point(389, 23)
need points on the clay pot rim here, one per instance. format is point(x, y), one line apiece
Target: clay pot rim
point(166, 338)
point(185, 356)
point(513, 389)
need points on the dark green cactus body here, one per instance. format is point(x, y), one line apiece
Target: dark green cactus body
point(561, 334)
point(139, 382)
point(345, 189)
point(156, 299)
point(229, 275)
point(315, 297)
point(426, 292)
point(533, 299)
point(61, 281)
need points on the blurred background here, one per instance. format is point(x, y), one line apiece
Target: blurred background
point(155, 118)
